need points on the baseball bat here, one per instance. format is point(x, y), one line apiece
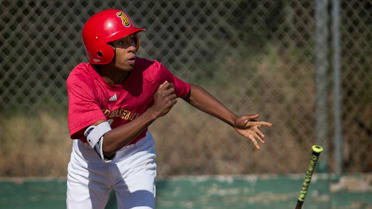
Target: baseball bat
point(309, 173)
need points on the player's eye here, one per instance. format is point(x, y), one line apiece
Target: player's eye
point(125, 42)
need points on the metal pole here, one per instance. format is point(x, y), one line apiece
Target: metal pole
point(321, 79)
point(337, 84)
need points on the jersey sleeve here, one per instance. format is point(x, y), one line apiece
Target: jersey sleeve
point(182, 88)
point(83, 107)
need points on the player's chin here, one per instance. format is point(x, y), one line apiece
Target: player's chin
point(126, 67)
point(132, 65)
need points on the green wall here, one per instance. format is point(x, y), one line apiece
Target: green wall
point(211, 192)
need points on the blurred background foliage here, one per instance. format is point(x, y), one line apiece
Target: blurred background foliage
point(255, 56)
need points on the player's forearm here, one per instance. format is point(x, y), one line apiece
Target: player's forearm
point(205, 102)
point(123, 135)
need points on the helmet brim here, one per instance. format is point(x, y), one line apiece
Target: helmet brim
point(123, 33)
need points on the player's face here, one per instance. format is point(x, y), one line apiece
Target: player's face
point(125, 52)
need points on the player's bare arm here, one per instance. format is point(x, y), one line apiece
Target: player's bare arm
point(245, 125)
point(164, 99)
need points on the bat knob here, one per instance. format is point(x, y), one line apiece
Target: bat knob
point(317, 149)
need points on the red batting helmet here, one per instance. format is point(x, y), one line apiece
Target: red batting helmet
point(104, 27)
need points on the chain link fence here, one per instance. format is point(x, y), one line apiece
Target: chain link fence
point(255, 56)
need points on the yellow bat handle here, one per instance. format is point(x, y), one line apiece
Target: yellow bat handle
point(309, 173)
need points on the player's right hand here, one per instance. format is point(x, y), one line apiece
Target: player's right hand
point(164, 99)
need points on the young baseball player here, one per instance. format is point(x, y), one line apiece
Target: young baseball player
point(113, 100)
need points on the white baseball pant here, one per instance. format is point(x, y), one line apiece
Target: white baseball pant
point(131, 174)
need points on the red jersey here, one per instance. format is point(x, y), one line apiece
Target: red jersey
point(91, 99)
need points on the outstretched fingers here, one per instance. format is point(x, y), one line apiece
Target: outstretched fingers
point(258, 124)
point(255, 138)
point(259, 132)
point(256, 135)
point(254, 141)
point(249, 127)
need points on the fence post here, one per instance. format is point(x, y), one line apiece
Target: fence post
point(336, 63)
point(321, 79)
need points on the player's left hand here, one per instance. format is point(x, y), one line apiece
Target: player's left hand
point(248, 127)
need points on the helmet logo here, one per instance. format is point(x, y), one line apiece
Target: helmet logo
point(124, 18)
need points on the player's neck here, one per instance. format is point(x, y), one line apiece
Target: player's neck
point(112, 75)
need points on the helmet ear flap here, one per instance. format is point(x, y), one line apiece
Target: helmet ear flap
point(103, 55)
